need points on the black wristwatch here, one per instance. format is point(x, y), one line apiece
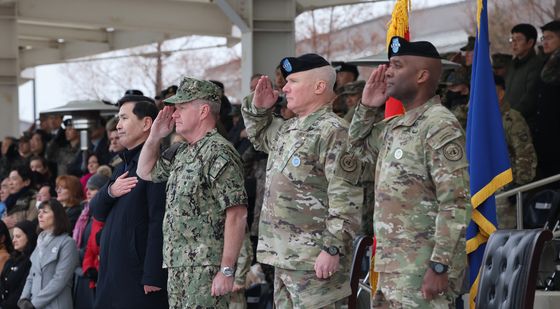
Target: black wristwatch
point(438, 268)
point(332, 250)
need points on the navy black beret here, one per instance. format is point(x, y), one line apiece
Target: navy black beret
point(401, 47)
point(302, 63)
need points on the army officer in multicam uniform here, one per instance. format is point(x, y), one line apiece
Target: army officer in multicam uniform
point(313, 199)
point(421, 183)
point(205, 218)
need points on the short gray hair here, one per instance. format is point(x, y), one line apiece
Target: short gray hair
point(328, 74)
point(214, 107)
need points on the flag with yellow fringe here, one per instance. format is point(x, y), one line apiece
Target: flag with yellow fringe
point(398, 25)
point(487, 153)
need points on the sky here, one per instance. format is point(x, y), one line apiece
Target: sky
point(54, 89)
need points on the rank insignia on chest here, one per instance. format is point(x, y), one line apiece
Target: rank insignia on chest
point(296, 161)
point(398, 154)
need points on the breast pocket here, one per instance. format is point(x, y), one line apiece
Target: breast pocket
point(189, 193)
point(299, 164)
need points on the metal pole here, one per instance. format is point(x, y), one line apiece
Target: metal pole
point(34, 81)
point(519, 204)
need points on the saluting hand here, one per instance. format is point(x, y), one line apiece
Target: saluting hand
point(374, 94)
point(265, 96)
point(123, 185)
point(163, 124)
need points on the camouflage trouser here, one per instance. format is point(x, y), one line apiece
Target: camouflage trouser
point(506, 213)
point(404, 291)
point(302, 289)
point(191, 287)
point(237, 300)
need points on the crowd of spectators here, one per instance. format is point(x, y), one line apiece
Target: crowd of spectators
point(45, 185)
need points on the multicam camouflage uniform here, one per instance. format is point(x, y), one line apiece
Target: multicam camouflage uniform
point(312, 199)
point(522, 157)
point(421, 197)
point(203, 180)
point(237, 299)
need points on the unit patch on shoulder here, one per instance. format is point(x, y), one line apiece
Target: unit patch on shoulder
point(348, 163)
point(218, 166)
point(453, 152)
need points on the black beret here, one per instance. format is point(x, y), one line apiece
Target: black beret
point(302, 63)
point(345, 67)
point(401, 47)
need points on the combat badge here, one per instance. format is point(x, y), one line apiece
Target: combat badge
point(348, 163)
point(453, 152)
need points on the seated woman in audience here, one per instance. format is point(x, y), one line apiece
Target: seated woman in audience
point(69, 194)
point(6, 246)
point(49, 283)
point(83, 225)
point(20, 204)
point(16, 269)
point(83, 294)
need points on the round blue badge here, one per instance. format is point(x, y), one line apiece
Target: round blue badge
point(287, 65)
point(296, 161)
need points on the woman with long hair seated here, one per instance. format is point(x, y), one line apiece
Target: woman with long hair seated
point(49, 283)
point(70, 195)
point(16, 269)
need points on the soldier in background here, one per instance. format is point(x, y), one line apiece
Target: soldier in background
point(468, 53)
point(456, 97)
point(205, 217)
point(345, 73)
point(522, 155)
point(500, 64)
point(351, 95)
point(313, 199)
point(421, 185)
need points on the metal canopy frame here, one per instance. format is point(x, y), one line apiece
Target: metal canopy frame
point(53, 31)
